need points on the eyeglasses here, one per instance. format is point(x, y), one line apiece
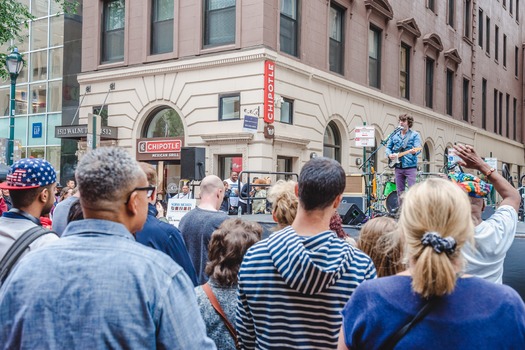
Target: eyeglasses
point(149, 189)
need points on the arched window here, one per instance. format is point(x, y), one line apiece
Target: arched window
point(332, 142)
point(164, 122)
point(426, 159)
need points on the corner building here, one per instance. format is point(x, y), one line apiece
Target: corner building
point(190, 71)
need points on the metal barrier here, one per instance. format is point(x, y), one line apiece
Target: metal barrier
point(247, 195)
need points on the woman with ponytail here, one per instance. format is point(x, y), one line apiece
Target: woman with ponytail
point(433, 304)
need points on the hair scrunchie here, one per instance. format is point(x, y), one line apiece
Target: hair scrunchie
point(438, 243)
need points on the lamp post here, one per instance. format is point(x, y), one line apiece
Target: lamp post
point(14, 63)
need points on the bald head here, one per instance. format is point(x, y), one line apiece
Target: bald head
point(212, 191)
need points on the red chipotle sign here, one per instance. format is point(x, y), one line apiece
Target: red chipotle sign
point(269, 92)
point(159, 149)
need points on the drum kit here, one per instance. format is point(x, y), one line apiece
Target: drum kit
point(384, 197)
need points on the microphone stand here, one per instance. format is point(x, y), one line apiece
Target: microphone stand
point(368, 171)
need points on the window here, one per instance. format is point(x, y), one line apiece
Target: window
point(284, 165)
point(516, 60)
point(511, 10)
point(467, 18)
point(336, 39)
point(500, 119)
point(113, 31)
point(429, 83)
point(495, 111)
point(496, 43)
point(162, 26)
point(163, 122)
point(103, 113)
point(480, 28)
point(514, 120)
point(287, 111)
point(332, 142)
point(466, 96)
point(374, 57)
point(219, 22)
point(487, 37)
point(504, 50)
point(230, 107)
point(484, 104)
point(450, 91)
point(431, 5)
point(507, 108)
point(517, 10)
point(425, 157)
point(289, 27)
point(504, 3)
point(450, 13)
point(404, 74)
point(228, 164)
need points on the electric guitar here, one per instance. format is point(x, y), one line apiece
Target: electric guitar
point(392, 162)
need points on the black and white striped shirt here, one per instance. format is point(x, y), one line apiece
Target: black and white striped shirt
point(293, 288)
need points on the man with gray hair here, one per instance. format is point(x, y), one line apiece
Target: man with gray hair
point(198, 224)
point(96, 287)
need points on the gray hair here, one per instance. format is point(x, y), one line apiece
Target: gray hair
point(107, 174)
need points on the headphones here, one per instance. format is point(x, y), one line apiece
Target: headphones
point(28, 216)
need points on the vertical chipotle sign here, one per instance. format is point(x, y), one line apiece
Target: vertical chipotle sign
point(269, 91)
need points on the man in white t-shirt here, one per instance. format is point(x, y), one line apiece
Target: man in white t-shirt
point(494, 236)
point(235, 188)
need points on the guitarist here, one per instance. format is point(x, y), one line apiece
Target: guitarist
point(405, 140)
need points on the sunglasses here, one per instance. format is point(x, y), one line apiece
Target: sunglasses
point(149, 193)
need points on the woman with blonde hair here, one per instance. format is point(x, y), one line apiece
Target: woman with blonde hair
point(380, 240)
point(432, 304)
point(284, 202)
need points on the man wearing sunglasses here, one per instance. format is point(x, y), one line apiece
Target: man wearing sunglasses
point(97, 287)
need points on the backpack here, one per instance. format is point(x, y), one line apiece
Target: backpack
point(16, 250)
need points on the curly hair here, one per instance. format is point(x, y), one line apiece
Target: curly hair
point(227, 247)
point(284, 202)
point(106, 175)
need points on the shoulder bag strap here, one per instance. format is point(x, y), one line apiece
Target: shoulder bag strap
point(18, 248)
point(215, 303)
point(393, 340)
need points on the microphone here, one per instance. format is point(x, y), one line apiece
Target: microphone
point(397, 129)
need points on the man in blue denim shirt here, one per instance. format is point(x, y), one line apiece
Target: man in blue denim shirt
point(407, 141)
point(96, 288)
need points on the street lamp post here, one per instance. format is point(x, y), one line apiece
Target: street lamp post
point(14, 63)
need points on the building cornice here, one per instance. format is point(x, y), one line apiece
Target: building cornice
point(187, 64)
point(227, 138)
point(291, 140)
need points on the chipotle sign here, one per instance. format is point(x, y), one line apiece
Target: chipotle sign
point(159, 149)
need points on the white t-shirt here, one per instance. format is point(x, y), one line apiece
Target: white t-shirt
point(493, 238)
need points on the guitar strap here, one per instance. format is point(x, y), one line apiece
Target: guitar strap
point(407, 138)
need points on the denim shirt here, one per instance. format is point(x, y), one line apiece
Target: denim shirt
point(396, 143)
point(96, 288)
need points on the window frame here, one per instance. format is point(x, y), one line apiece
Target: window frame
point(154, 30)
point(451, 6)
point(407, 49)
point(504, 50)
point(104, 34)
point(466, 98)
point(449, 92)
point(468, 19)
point(480, 27)
point(484, 104)
point(339, 46)
point(429, 83)
point(378, 33)
point(222, 97)
point(229, 39)
point(496, 43)
point(337, 145)
point(289, 102)
point(285, 18)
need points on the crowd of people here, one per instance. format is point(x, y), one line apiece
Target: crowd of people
point(111, 274)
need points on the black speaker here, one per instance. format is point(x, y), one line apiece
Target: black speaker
point(350, 214)
point(192, 163)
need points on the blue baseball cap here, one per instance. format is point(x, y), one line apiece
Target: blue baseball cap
point(29, 173)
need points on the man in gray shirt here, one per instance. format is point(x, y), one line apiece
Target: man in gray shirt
point(198, 225)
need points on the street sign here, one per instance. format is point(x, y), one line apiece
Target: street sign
point(364, 136)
